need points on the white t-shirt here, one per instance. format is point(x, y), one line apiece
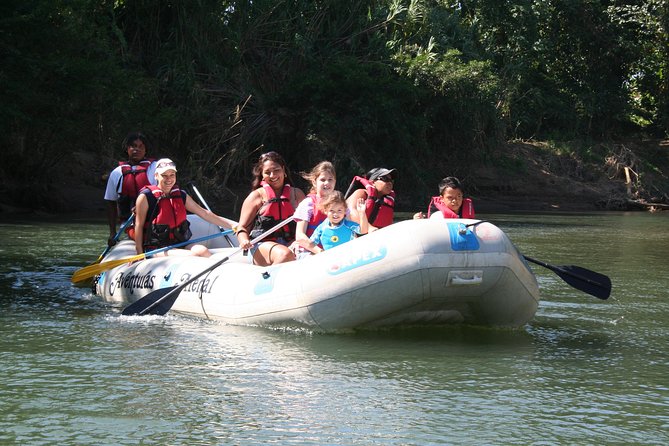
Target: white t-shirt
point(115, 181)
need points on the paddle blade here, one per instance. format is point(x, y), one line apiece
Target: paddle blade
point(590, 282)
point(156, 302)
point(93, 270)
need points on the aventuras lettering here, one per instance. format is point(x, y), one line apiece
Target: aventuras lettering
point(132, 282)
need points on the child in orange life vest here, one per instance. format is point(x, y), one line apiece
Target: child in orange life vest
point(450, 203)
point(337, 229)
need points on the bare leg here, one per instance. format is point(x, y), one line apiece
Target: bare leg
point(270, 253)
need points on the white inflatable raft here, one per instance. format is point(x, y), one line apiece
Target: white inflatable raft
point(416, 272)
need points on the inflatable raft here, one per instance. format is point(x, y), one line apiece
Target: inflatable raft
point(416, 272)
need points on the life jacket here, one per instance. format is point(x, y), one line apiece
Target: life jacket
point(273, 211)
point(380, 210)
point(317, 217)
point(166, 222)
point(466, 210)
point(132, 181)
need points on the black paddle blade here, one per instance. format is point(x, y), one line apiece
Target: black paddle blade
point(156, 302)
point(590, 282)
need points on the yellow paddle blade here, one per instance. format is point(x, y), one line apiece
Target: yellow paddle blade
point(92, 270)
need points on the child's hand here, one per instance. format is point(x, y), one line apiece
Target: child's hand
point(360, 205)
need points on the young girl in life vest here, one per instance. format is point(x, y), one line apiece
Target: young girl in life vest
point(160, 215)
point(309, 214)
point(450, 203)
point(337, 229)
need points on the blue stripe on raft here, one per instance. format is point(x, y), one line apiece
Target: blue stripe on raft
point(462, 242)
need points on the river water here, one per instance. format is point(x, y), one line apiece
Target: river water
point(584, 371)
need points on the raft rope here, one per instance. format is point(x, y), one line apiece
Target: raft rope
point(463, 230)
point(202, 301)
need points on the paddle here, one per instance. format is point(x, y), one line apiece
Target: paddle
point(161, 300)
point(95, 269)
point(590, 282)
point(206, 206)
point(116, 237)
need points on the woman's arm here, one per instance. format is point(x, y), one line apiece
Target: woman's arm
point(207, 215)
point(250, 207)
point(141, 209)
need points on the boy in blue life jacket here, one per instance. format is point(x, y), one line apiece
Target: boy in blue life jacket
point(336, 228)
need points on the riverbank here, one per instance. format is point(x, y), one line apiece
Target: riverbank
point(525, 177)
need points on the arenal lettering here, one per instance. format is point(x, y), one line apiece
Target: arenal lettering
point(203, 285)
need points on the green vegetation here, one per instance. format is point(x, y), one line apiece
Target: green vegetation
point(428, 86)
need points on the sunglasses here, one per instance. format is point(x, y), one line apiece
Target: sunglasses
point(386, 179)
point(162, 165)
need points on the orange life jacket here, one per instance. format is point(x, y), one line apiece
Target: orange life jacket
point(466, 210)
point(166, 219)
point(380, 210)
point(273, 211)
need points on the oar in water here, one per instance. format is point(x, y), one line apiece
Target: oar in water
point(95, 269)
point(590, 282)
point(116, 237)
point(161, 300)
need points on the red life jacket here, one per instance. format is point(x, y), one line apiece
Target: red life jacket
point(166, 222)
point(466, 210)
point(380, 210)
point(132, 182)
point(317, 217)
point(273, 211)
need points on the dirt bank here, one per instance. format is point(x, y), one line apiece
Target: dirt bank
point(526, 177)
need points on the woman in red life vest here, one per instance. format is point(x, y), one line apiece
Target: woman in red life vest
point(450, 203)
point(160, 215)
point(376, 188)
point(271, 201)
point(309, 214)
point(125, 182)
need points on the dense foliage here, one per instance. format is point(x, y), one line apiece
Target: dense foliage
point(423, 85)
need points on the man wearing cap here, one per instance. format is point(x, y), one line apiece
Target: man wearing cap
point(125, 182)
point(376, 188)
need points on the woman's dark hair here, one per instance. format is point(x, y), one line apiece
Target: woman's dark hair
point(451, 182)
point(257, 168)
point(134, 136)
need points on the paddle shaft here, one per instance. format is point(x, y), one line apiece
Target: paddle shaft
point(116, 236)
point(204, 203)
point(92, 270)
point(174, 292)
